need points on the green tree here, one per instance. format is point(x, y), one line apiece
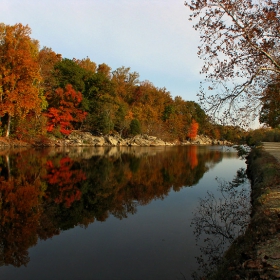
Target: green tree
point(99, 102)
point(67, 71)
point(104, 122)
point(270, 111)
point(135, 127)
point(168, 111)
point(123, 118)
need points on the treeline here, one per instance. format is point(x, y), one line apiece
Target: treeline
point(42, 92)
point(255, 137)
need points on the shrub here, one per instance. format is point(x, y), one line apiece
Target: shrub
point(135, 127)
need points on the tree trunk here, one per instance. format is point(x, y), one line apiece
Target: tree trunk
point(8, 126)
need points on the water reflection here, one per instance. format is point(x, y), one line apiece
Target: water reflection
point(218, 220)
point(45, 192)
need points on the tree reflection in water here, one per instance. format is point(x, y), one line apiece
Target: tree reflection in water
point(218, 220)
point(45, 192)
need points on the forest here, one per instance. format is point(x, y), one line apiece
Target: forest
point(44, 93)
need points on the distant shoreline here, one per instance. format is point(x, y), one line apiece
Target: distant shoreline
point(79, 139)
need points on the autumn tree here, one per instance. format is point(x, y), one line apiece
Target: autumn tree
point(179, 118)
point(239, 48)
point(30, 127)
point(86, 64)
point(193, 129)
point(67, 112)
point(104, 69)
point(20, 76)
point(148, 104)
point(125, 82)
point(200, 116)
point(47, 60)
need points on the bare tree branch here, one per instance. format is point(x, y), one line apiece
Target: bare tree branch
point(239, 47)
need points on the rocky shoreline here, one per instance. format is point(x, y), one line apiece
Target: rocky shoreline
point(81, 139)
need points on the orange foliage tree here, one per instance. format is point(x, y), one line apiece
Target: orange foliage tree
point(20, 77)
point(86, 64)
point(193, 129)
point(66, 112)
point(47, 59)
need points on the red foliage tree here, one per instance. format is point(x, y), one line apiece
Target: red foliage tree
point(193, 129)
point(67, 112)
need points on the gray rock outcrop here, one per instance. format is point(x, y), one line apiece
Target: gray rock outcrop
point(77, 138)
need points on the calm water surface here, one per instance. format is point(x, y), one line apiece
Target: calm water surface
point(97, 213)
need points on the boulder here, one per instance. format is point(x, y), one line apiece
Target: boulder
point(111, 140)
point(99, 141)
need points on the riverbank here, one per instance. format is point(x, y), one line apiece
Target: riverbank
point(256, 254)
point(82, 139)
point(273, 148)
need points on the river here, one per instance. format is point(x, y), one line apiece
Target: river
point(119, 213)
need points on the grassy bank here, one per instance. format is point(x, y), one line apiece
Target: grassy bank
point(256, 254)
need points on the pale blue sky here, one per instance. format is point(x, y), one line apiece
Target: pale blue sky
point(152, 37)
